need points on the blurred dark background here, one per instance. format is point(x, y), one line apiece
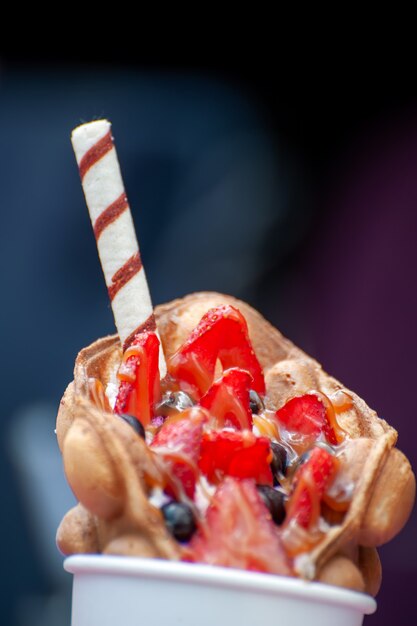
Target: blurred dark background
point(292, 185)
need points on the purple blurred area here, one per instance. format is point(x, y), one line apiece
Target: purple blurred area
point(362, 300)
point(292, 188)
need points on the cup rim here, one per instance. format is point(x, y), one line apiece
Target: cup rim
point(216, 576)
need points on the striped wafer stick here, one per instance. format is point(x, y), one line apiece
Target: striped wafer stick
point(114, 231)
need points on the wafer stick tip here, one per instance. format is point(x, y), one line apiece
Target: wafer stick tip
point(91, 128)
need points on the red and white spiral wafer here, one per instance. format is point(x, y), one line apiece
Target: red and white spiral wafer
point(114, 231)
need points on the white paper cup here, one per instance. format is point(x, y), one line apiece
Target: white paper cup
point(112, 590)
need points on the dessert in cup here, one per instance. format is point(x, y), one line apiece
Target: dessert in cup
point(200, 434)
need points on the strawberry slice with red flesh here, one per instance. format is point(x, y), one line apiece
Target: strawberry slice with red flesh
point(237, 511)
point(139, 387)
point(235, 453)
point(228, 399)
point(311, 481)
point(221, 334)
point(308, 417)
point(179, 441)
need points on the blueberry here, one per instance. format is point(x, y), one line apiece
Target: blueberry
point(134, 423)
point(174, 401)
point(274, 501)
point(179, 520)
point(256, 404)
point(279, 461)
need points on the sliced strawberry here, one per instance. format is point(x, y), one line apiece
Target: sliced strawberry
point(307, 417)
point(311, 481)
point(221, 334)
point(235, 453)
point(178, 441)
point(237, 511)
point(228, 399)
point(139, 387)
